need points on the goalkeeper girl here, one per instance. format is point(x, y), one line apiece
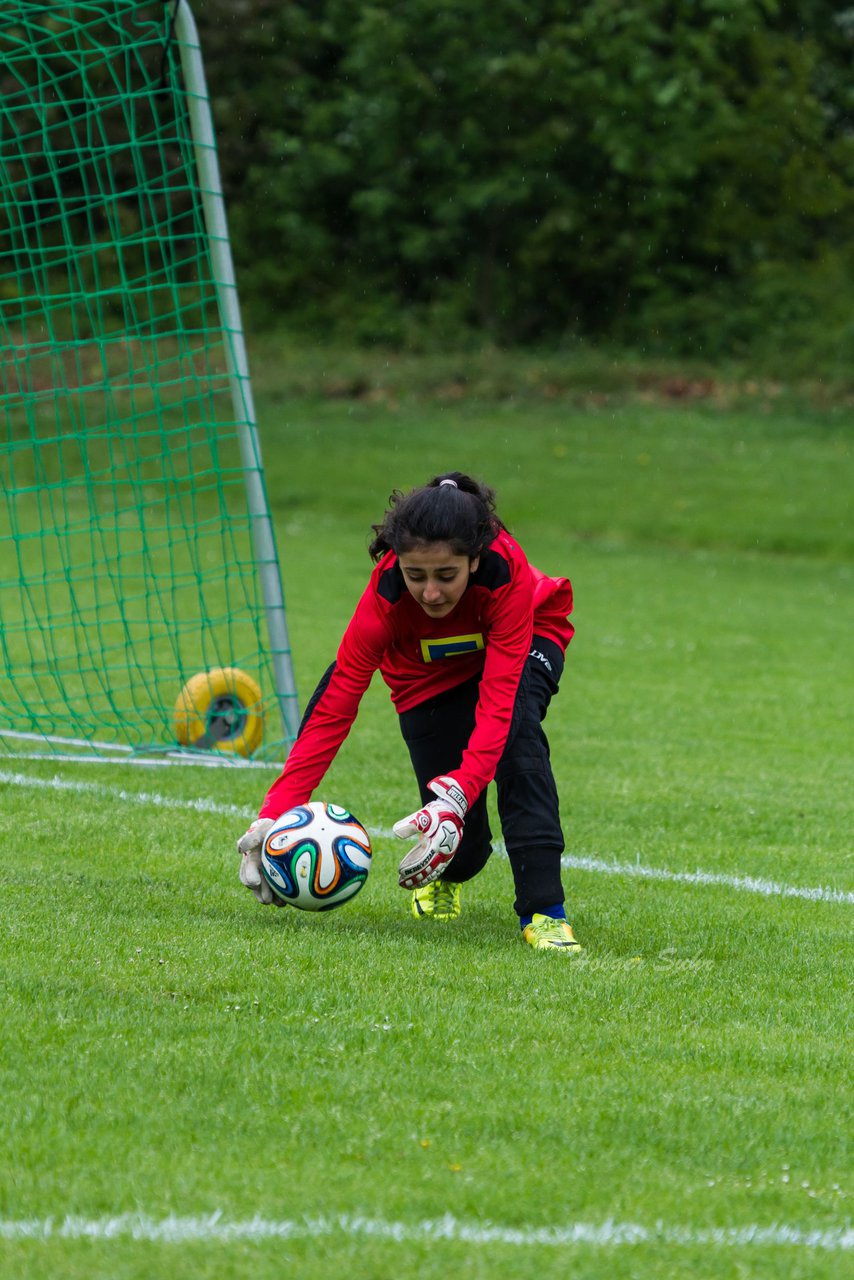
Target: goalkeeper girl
point(470, 639)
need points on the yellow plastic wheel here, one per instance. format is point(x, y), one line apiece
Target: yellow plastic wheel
point(220, 710)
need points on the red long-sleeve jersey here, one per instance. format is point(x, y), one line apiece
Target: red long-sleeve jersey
point(489, 630)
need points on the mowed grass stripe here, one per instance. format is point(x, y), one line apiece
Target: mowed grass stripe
point(171, 1048)
point(748, 884)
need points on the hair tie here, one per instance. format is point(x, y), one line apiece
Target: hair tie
point(452, 483)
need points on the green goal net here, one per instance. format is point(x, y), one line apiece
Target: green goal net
point(141, 607)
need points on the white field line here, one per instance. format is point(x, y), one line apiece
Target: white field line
point(746, 884)
point(217, 1228)
point(749, 884)
point(119, 796)
point(171, 760)
point(125, 753)
point(93, 745)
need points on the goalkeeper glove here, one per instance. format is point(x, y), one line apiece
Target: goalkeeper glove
point(440, 826)
point(249, 847)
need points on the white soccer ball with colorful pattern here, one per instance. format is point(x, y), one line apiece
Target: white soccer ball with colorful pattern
point(316, 856)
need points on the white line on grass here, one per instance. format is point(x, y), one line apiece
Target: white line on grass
point(171, 760)
point(747, 884)
point(217, 1228)
point(120, 796)
point(750, 884)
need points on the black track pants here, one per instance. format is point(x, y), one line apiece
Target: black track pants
point(437, 732)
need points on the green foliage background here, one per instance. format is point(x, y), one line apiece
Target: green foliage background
point(668, 174)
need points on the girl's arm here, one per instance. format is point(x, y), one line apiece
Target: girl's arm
point(332, 711)
point(507, 647)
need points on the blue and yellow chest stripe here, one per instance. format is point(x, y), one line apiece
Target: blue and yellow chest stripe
point(450, 646)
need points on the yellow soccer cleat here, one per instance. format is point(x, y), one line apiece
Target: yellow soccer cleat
point(547, 934)
point(438, 900)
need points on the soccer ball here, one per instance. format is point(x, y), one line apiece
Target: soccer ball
point(316, 856)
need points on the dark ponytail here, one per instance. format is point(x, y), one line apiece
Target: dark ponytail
point(460, 512)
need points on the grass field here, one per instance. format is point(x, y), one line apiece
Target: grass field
point(196, 1086)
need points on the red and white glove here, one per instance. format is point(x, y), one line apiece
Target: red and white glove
point(440, 826)
point(249, 847)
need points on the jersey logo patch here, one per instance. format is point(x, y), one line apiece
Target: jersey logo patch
point(450, 646)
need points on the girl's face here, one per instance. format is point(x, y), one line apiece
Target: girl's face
point(435, 577)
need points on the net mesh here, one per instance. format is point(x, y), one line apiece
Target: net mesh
point(126, 547)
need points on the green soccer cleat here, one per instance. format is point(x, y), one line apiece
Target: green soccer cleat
point(438, 900)
point(546, 934)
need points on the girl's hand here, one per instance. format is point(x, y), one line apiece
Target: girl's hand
point(440, 827)
point(249, 847)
